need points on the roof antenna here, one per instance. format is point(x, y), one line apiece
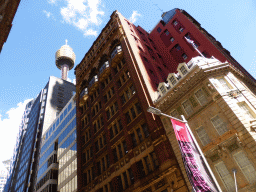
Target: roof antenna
point(159, 8)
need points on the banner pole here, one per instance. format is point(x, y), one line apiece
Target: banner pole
point(201, 153)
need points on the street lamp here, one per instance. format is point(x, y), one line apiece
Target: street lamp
point(159, 112)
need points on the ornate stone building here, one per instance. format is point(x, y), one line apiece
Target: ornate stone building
point(121, 147)
point(218, 102)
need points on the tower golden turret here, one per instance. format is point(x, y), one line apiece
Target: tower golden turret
point(65, 60)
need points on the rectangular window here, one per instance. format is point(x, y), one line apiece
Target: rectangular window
point(188, 107)
point(219, 125)
point(173, 80)
point(201, 97)
point(225, 176)
point(159, 29)
point(224, 84)
point(184, 56)
point(183, 70)
point(203, 136)
point(181, 29)
point(166, 32)
point(246, 166)
point(175, 113)
point(175, 23)
point(172, 39)
point(177, 46)
point(246, 110)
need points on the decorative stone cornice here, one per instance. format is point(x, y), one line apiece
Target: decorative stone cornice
point(196, 75)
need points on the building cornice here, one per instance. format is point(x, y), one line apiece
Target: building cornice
point(195, 76)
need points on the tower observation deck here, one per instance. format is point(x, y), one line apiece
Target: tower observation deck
point(65, 59)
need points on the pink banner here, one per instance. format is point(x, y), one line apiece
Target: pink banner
point(196, 169)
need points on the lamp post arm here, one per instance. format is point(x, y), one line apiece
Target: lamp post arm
point(163, 114)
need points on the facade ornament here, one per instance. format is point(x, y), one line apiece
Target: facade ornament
point(234, 94)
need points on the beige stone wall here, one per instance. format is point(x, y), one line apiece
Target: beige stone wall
point(239, 137)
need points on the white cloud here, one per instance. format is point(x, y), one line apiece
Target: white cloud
point(90, 32)
point(83, 14)
point(9, 128)
point(74, 81)
point(134, 16)
point(48, 14)
point(52, 1)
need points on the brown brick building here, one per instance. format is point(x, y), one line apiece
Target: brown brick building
point(8, 9)
point(121, 147)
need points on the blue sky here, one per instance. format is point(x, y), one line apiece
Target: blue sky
point(41, 27)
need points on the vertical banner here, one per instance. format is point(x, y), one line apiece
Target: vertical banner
point(196, 169)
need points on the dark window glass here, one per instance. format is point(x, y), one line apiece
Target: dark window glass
point(125, 147)
point(145, 129)
point(128, 118)
point(159, 29)
point(139, 134)
point(120, 151)
point(138, 108)
point(134, 141)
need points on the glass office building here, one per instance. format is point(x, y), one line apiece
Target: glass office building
point(44, 110)
point(58, 161)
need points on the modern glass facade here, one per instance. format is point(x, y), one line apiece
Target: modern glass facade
point(58, 162)
point(46, 107)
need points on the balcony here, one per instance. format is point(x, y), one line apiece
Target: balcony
point(116, 55)
point(93, 82)
point(83, 96)
point(104, 70)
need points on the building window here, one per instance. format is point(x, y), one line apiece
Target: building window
point(246, 166)
point(166, 32)
point(225, 176)
point(123, 78)
point(175, 23)
point(177, 47)
point(203, 136)
point(94, 95)
point(163, 89)
point(133, 112)
point(201, 97)
point(184, 56)
point(119, 66)
point(139, 134)
point(98, 124)
point(110, 93)
point(181, 29)
point(172, 39)
point(173, 80)
point(175, 113)
point(219, 125)
point(120, 150)
point(246, 110)
point(147, 164)
point(96, 108)
point(224, 84)
point(106, 81)
point(112, 110)
point(159, 29)
point(100, 142)
point(115, 128)
point(188, 107)
point(127, 94)
point(183, 70)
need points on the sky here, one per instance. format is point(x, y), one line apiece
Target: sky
point(40, 28)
